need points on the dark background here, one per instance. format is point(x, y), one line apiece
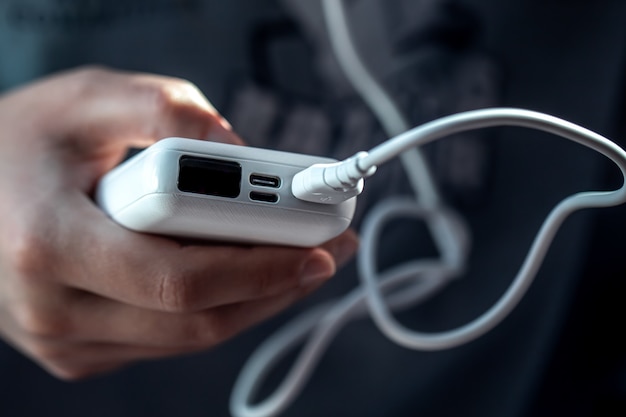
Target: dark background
point(560, 351)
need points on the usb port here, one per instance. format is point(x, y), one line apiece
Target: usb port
point(264, 197)
point(264, 181)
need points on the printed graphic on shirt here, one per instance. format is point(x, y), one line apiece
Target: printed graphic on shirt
point(430, 75)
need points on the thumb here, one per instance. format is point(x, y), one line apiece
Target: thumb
point(93, 115)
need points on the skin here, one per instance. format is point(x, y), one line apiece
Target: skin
point(81, 295)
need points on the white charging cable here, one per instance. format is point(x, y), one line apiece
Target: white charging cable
point(336, 182)
point(325, 324)
point(429, 276)
point(447, 228)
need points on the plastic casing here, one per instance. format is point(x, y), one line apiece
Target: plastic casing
point(142, 194)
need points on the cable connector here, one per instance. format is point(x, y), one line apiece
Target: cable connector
point(331, 183)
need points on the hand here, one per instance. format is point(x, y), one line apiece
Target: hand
point(82, 295)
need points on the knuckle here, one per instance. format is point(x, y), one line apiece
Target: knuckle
point(29, 254)
point(221, 326)
point(205, 329)
point(179, 101)
point(83, 81)
point(61, 362)
point(170, 95)
point(177, 104)
point(40, 324)
point(217, 333)
point(176, 294)
point(212, 329)
point(49, 354)
point(197, 335)
point(164, 98)
point(57, 361)
point(69, 373)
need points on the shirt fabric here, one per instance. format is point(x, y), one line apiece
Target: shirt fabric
point(267, 66)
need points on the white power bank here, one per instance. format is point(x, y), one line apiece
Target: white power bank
point(214, 191)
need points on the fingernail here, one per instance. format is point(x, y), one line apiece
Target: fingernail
point(217, 133)
point(315, 270)
point(225, 124)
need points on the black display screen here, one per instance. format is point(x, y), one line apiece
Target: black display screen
point(209, 176)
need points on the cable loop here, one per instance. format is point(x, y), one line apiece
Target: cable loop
point(426, 276)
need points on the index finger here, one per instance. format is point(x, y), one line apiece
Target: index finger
point(159, 273)
point(93, 115)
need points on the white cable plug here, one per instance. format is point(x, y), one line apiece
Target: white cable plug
point(331, 183)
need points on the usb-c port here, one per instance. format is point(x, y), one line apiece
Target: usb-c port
point(264, 197)
point(264, 181)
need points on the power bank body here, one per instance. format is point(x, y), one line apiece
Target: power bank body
point(219, 192)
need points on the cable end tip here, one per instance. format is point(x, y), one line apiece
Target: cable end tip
point(310, 185)
point(331, 183)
